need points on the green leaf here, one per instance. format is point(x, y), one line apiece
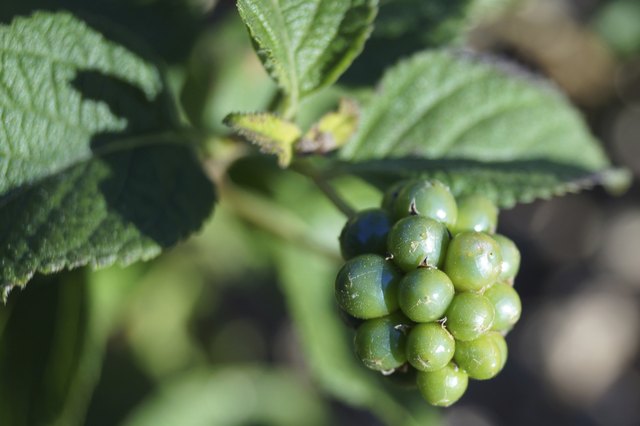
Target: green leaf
point(617, 23)
point(425, 23)
point(146, 21)
point(231, 396)
point(488, 10)
point(403, 27)
point(506, 183)
point(47, 125)
point(119, 208)
point(224, 74)
point(271, 133)
point(52, 342)
point(307, 44)
point(333, 130)
point(95, 171)
point(455, 106)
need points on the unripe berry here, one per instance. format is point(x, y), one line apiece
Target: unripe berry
point(381, 342)
point(506, 302)
point(366, 232)
point(472, 261)
point(443, 387)
point(424, 294)
point(502, 345)
point(476, 213)
point(390, 196)
point(430, 347)
point(366, 287)
point(417, 241)
point(469, 316)
point(480, 358)
point(510, 256)
point(427, 198)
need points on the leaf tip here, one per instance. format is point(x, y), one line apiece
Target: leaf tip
point(6, 289)
point(617, 180)
point(333, 130)
point(273, 134)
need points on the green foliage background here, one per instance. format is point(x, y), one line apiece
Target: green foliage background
point(237, 325)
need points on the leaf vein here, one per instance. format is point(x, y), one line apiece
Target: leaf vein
point(424, 110)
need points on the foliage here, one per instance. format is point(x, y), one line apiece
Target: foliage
point(113, 149)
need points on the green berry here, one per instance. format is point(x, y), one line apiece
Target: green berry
point(476, 213)
point(391, 194)
point(430, 347)
point(510, 258)
point(502, 345)
point(427, 198)
point(366, 287)
point(366, 232)
point(443, 387)
point(424, 294)
point(506, 303)
point(381, 342)
point(417, 241)
point(472, 261)
point(481, 358)
point(469, 316)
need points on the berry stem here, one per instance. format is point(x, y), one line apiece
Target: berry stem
point(271, 218)
point(307, 169)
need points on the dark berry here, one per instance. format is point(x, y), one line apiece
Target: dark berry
point(366, 287)
point(366, 232)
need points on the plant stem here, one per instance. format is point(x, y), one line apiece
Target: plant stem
point(307, 169)
point(184, 137)
point(285, 105)
point(272, 218)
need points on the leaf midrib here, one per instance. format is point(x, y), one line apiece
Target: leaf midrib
point(289, 49)
point(115, 146)
point(54, 59)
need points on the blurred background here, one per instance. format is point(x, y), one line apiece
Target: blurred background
point(237, 326)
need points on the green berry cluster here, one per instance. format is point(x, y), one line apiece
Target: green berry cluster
point(430, 285)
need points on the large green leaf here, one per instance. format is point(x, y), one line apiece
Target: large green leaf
point(421, 23)
point(500, 125)
point(52, 342)
point(47, 125)
point(170, 26)
point(307, 44)
point(404, 27)
point(94, 169)
point(229, 397)
point(506, 183)
point(118, 208)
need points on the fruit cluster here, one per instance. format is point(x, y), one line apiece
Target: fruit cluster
point(430, 286)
